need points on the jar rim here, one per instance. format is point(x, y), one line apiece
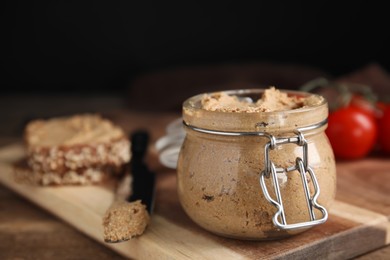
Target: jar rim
point(194, 101)
point(283, 120)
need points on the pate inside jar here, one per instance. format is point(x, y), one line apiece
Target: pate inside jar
point(230, 160)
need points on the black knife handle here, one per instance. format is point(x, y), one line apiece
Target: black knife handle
point(143, 179)
point(139, 144)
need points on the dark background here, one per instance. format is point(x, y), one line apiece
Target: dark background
point(103, 45)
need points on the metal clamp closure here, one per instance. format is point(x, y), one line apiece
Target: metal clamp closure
point(302, 166)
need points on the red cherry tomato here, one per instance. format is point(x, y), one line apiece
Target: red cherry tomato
point(351, 132)
point(384, 130)
point(364, 105)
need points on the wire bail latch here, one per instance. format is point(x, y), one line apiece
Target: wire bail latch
point(305, 171)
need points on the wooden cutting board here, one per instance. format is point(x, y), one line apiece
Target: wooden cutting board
point(358, 222)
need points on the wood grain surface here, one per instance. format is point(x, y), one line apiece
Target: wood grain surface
point(358, 223)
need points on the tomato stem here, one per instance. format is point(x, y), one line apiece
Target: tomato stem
point(344, 91)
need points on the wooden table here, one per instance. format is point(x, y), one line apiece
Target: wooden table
point(27, 231)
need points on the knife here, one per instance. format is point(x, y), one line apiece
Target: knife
point(143, 179)
point(129, 214)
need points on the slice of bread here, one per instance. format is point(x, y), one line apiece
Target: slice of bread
point(75, 144)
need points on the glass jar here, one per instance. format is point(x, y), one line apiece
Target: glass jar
point(256, 176)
